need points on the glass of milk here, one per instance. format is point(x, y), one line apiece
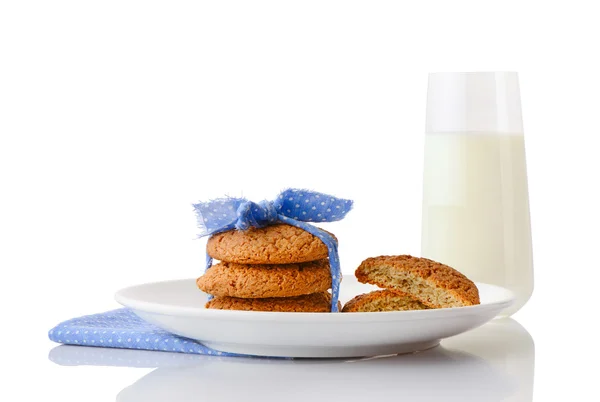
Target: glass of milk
point(475, 196)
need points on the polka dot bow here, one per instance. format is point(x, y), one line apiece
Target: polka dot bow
point(293, 206)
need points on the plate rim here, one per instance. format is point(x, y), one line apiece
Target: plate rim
point(237, 315)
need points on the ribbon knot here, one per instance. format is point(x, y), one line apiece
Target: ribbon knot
point(251, 214)
point(294, 207)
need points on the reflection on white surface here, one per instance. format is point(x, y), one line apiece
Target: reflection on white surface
point(506, 346)
point(492, 363)
point(67, 355)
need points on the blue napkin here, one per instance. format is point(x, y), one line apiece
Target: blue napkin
point(123, 329)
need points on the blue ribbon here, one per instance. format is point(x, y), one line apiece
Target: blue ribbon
point(293, 206)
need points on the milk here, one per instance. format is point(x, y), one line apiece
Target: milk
point(476, 208)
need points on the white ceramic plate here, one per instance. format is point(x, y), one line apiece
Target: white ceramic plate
point(178, 307)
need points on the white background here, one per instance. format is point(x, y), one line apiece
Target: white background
point(116, 115)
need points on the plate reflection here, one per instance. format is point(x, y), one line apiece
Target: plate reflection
point(492, 363)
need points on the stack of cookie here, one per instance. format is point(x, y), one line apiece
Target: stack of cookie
point(411, 283)
point(274, 268)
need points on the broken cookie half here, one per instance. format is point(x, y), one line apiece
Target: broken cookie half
point(382, 300)
point(411, 283)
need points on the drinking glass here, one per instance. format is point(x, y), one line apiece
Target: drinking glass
point(475, 195)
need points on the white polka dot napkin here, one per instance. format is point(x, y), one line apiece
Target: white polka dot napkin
point(123, 329)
